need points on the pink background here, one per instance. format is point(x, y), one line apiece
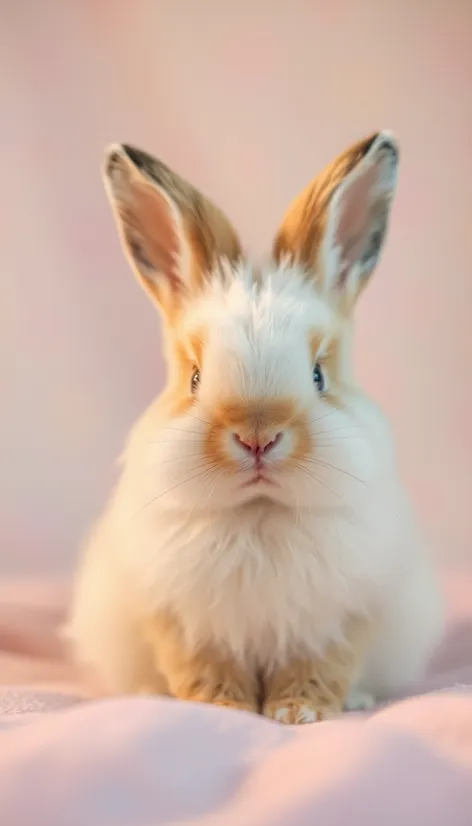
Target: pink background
point(248, 100)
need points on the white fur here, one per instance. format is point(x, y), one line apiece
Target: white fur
point(270, 577)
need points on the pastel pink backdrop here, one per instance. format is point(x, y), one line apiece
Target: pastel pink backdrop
point(248, 100)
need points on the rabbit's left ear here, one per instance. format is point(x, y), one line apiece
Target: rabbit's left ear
point(172, 235)
point(336, 228)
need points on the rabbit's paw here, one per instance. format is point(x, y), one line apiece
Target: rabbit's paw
point(296, 711)
point(358, 700)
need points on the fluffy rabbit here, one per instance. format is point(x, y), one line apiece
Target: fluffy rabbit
point(258, 551)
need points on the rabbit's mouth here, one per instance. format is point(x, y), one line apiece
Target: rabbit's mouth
point(259, 479)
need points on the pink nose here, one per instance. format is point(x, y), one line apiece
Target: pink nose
point(258, 447)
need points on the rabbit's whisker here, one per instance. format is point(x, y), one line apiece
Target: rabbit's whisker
point(199, 475)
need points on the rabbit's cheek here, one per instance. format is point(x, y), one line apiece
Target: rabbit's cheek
point(214, 447)
point(302, 439)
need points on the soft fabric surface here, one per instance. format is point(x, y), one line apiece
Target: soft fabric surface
point(68, 758)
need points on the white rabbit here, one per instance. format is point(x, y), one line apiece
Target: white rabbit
point(258, 551)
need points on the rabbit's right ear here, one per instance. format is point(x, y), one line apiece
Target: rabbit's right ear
point(171, 234)
point(337, 226)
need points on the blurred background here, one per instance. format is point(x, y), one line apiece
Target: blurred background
point(248, 100)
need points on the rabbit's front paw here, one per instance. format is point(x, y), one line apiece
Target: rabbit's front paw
point(308, 690)
point(358, 700)
point(298, 711)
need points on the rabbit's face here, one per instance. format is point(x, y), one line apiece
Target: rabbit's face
point(260, 402)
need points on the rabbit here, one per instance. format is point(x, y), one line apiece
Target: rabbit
point(259, 551)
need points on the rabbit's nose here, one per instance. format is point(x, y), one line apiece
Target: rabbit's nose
point(258, 446)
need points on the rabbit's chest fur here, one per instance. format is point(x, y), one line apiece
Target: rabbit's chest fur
point(266, 583)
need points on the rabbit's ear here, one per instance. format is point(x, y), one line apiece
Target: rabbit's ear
point(171, 234)
point(336, 228)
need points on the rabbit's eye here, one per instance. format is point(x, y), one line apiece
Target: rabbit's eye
point(318, 378)
point(195, 380)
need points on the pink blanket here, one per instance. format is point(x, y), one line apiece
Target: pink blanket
point(69, 759)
